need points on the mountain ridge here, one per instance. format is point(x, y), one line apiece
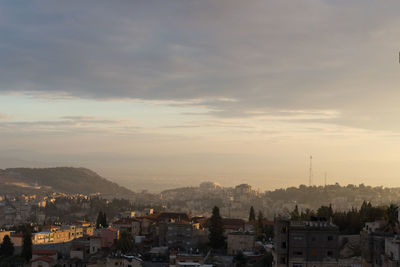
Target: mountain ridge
point(69, 180)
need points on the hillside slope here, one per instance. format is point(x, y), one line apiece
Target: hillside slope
point(62, 179)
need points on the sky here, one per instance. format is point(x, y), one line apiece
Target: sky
point(161, 94)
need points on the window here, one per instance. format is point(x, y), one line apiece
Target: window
point(298, 253)
point(314, 253)
point(329, 253)
point(283, 230)
point(283, 260)
point(283, 244)
point(330, 238)
point(297, 265)
point(313, 238)
point(298, 238)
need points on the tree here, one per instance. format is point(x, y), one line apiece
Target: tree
point(295, 215)
point(391, 213)
point(27, 245)
point(104, 221)
point(252, 215)
point(216, 229)
point(7, 247)
point(265, 261)
point(240, 259)
point(98, 220)
point(101, 220)
point(125, 243)
point(260, 226)
point(325, 212)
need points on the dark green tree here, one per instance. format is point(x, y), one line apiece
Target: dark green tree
point(7, 247)
point(295, 215)
point(240, 259)
point(216, 229)
point(265, 261)
point(325, 212)
point(252, 215)
point(260, 226)
point(104, 221)
point(101, 221)
point(125, 243)
point(391, 214)
point(27, 245)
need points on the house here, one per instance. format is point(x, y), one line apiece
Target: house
point(240, 242)
point(232, 225)
point(171, 217)
point(43, 262)
point(129, 225)
point(124, 261)
point(78, 252)
point(108, 236)
point(95, 244)
point(44, 258)
point(186, 259)
point(17, 239)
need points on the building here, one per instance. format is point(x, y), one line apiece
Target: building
point(108, 236)
point(233, 225)
point(128, 225)
point(373, 240)
point(391, 258)
point(44, 258)
point(185, 259)
point(124, 261)
point(305, 243)
point(4, 233)
point(176, 234)
point(42, 238)
point(239, 241)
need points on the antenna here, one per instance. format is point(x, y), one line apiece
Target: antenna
point(311, 173)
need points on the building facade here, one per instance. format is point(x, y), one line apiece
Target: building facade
point(306, 244)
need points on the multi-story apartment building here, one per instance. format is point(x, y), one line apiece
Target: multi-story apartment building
point(176, 234)
point(305, 243)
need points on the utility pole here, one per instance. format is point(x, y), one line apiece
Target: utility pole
point(311, 174)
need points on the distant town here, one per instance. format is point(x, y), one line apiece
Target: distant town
point(208, 225)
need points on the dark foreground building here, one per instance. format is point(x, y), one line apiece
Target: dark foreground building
point(305, 243)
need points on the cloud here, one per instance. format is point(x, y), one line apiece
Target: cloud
point(70, 124)
point(4, 116)
point(237, 59)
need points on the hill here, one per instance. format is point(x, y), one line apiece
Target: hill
point(61, 179)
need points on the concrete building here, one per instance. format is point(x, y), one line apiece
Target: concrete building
point(239, 241)
point(305, 243)
point(108, 236)
point(373, 240)
point(391, 258)
point(129, 225)
point(176, 234)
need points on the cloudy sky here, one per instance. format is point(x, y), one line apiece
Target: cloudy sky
point(158, 94)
